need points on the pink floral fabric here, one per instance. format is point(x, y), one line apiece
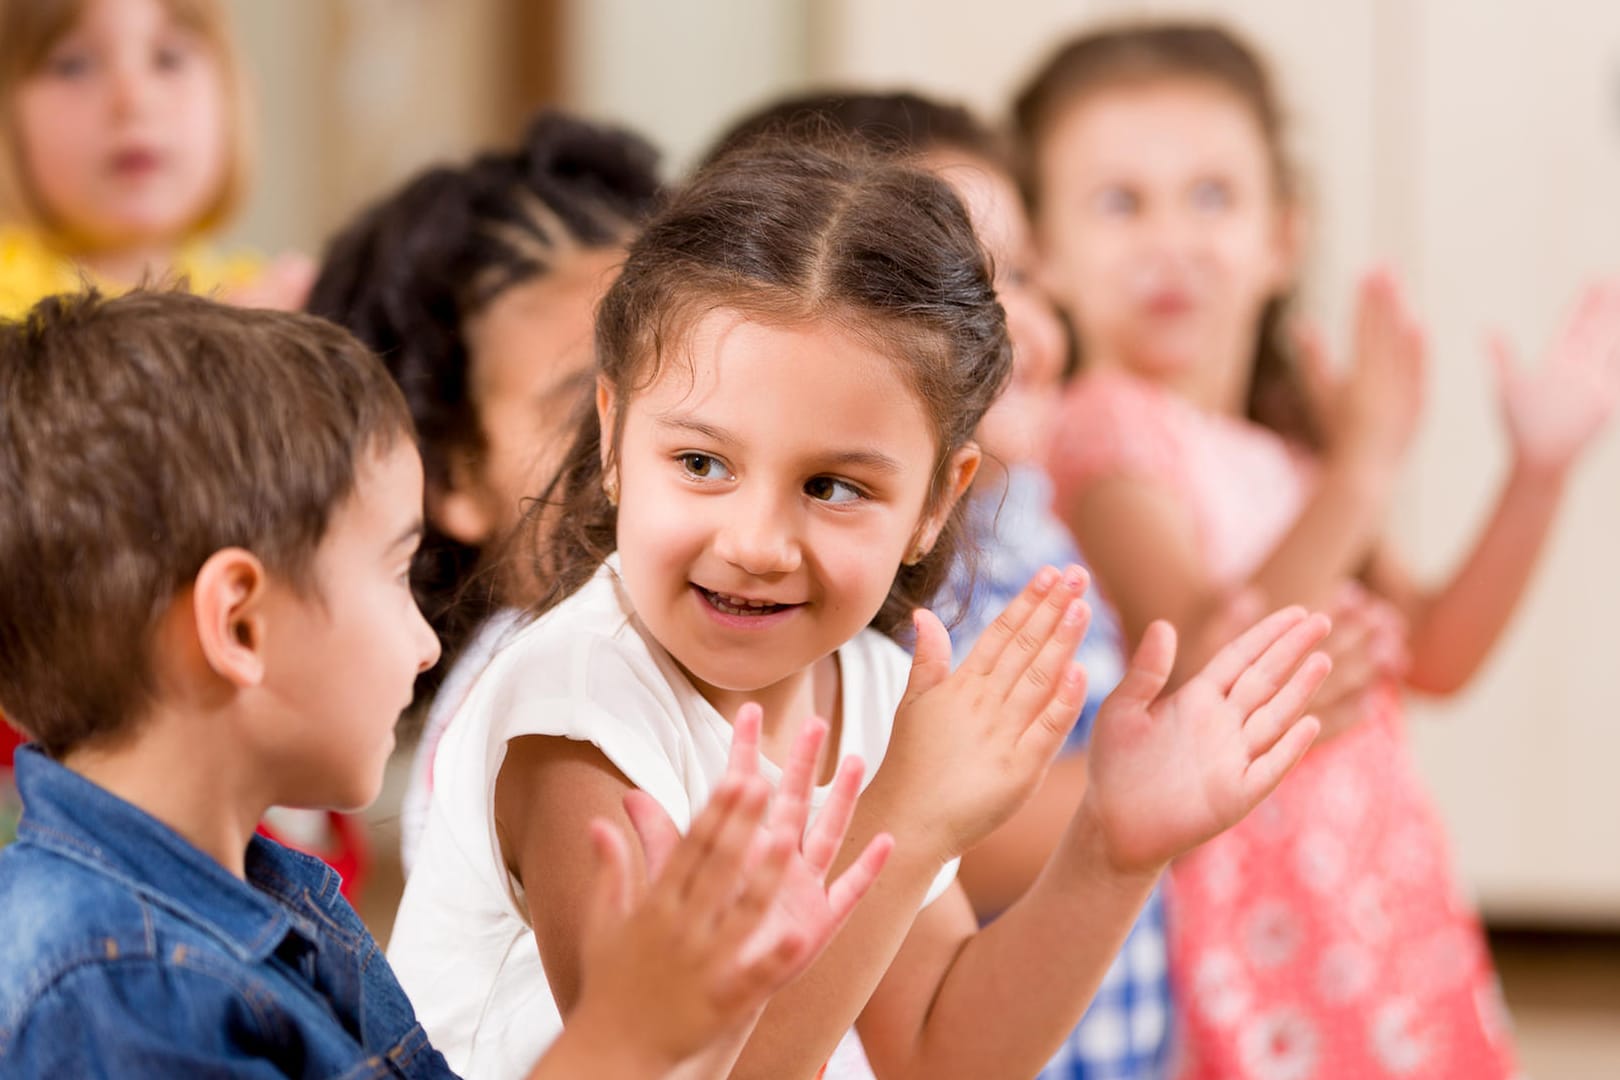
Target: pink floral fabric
point(1325, 937)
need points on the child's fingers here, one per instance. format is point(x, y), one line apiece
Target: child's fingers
point(1266, 771)
point(1261, 680)
point(748, 906)
point(1004, 627)
point(931, 660)
point(1236, 657)
point(791, 807)
point(655, 831)
point(826, 833)
point(744, 757)
point(848, 888)
point(1026, 644)
point(748, 986)
point(717, 851)
point(1057, 719)
point(1149, 668)
point(611, 885)
point(1266, 724)
point(1042, 679)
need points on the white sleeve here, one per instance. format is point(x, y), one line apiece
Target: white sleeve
point(589, 691)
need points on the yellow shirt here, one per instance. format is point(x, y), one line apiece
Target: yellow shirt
point(30, 270)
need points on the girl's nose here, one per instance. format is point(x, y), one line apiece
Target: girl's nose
point(758, 538)
point(130, 85)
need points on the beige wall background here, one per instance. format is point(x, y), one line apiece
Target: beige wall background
point(1474, 144)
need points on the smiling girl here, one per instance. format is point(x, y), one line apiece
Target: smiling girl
point(790, 369)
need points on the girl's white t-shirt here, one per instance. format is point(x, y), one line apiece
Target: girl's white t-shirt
point(462, 945)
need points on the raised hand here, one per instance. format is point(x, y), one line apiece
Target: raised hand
point(1552, 413)
point(790, 912)
point(1371, 411)
point(986, 734)
point(1166, 775)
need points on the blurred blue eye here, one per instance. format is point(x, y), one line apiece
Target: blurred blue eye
point(69, 64)
point(170, 58)
point(1117, 201)
point(1212, 195)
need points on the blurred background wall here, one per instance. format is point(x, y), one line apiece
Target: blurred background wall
point(1474, 144)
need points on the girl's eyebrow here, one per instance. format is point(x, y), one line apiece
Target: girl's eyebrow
point(697, 427)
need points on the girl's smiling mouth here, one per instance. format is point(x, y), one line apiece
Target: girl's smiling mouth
point(740, 607)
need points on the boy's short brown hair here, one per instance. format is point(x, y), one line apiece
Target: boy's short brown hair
point(138, 436)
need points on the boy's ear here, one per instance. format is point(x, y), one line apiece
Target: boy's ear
point(960, 470)
point(227, 601)
point(461, 510)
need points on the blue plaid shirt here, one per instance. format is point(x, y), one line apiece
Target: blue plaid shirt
point(1125, 1033)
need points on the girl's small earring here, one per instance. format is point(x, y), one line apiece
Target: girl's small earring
point(917, 555)
point(610, 488)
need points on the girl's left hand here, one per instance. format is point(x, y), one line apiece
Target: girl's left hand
point(1166, 775)
point(802, 910)
point(1553, 412)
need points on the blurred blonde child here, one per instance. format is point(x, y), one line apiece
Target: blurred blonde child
point(124, 144)
point(1326, 936)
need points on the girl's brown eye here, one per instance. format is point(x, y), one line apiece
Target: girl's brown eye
point(827, 489)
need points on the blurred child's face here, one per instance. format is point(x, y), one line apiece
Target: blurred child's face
point(341, 662)
point(769, 491)
point(531, 355)
point(1016, 427)
point(123, 127)
point(1160, 226)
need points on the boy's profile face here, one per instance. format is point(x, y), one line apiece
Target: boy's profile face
point(341, 660)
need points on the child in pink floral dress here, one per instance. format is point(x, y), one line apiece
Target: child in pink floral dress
point(1327, 936)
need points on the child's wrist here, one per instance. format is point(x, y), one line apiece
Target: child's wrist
point(1101, 861)
point(595, 1046)
point(1541, 476)
point(1363, 471)
point(920, 843)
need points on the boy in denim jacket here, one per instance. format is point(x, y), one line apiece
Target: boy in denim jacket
point(207, 520)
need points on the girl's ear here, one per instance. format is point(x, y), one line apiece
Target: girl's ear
point(463, 510)
point(1288, 246)
point(228, 604)
point(606, 399)
point(960, 470)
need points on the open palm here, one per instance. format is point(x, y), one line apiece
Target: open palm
point(804, 910)
point(1553, 412)
point(1169, 773)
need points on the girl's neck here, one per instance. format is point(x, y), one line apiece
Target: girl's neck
point(815, 691)
point(1219, 388)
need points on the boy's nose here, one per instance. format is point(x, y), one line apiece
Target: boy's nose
point(427, 643)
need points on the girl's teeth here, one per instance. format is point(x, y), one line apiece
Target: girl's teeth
point(738, 605)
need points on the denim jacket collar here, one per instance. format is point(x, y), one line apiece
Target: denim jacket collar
point(135, 848)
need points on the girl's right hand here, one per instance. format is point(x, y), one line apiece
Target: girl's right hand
point(985, 735)
point(1370, 413)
